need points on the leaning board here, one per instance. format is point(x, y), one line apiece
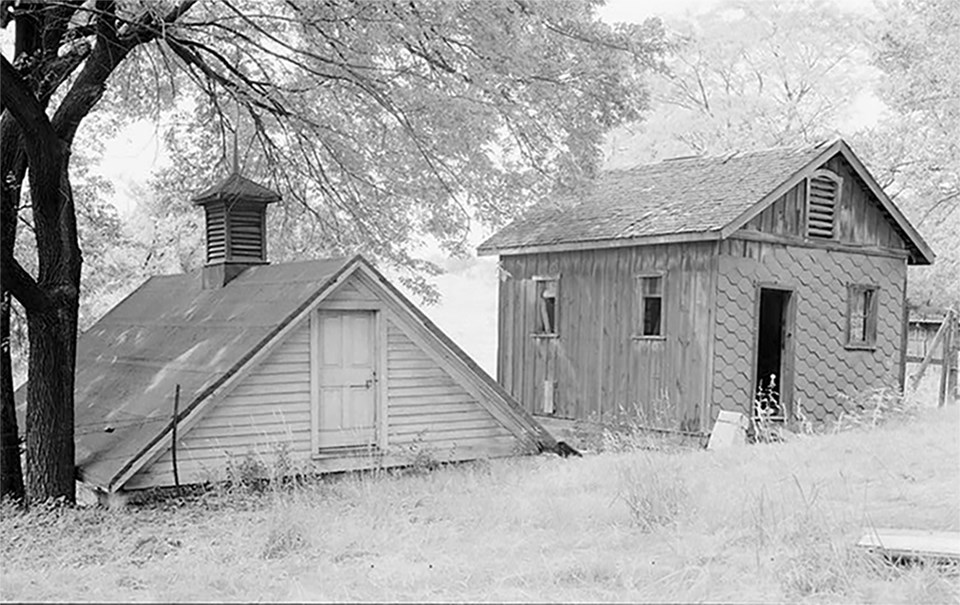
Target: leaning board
point(913, 543)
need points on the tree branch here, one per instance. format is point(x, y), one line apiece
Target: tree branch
point(24, 287)
point(25, 108)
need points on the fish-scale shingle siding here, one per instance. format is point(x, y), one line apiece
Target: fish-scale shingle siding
point(827, 373)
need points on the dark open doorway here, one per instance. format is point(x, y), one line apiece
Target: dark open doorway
point(774, 362)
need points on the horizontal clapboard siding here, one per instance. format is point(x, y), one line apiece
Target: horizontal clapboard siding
point(427, 404)
point(271, 406)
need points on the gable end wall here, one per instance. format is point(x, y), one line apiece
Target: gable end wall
point(826, 373)
point(860, 220)
point(428, 410)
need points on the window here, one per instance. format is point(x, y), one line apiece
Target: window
point(547, 290)
point(651, 305)
point(823, 199)
point(862, 316)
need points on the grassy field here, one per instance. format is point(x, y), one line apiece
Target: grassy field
point(763, 523)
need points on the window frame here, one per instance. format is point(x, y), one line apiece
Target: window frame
point(641, 306)
point(856, 291)
point(823, 173)
point(540, 284)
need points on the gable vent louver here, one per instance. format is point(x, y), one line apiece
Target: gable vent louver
point(823, 198)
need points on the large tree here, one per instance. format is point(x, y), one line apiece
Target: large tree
point(915, 150)
point(748, 75)
point(380, 119)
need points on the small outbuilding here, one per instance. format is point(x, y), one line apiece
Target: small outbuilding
point(322, 362)
point(677, 289)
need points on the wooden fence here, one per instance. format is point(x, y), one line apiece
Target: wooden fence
point(932, 343)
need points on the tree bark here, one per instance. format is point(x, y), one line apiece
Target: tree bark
point(12, 170)
point(50, 445)
point(11, 472)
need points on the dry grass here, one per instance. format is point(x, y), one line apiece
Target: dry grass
point(766, 523)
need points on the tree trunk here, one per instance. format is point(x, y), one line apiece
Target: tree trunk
point(12, 168)
point(50, 445)
point(11, 473)
point(52, 336)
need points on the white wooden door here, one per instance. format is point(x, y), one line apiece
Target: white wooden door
point(348, 401)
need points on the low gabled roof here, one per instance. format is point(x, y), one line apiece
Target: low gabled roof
point(681, 199)
point(171, 332)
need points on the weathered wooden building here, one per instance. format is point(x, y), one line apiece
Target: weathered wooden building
point(681, 285)
point(323, 360)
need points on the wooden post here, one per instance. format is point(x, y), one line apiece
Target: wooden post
point(947, 356)
point(904, 338)
point(173, 442)
point(953, 368)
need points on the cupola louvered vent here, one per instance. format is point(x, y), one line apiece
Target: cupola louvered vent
point(823, 200)
point(216, 233)
point(236, 225)
point(246, 232)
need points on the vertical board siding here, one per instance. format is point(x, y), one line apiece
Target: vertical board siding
point(428, 406)
point(860, 220)
point(826, 374)
point(268, 409)
point(602, 372)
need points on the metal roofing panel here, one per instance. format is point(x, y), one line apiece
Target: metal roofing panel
point(171, 331)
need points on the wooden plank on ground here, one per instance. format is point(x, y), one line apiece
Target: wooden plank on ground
point(913, 543)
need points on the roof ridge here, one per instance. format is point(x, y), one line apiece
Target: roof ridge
point(729, 154)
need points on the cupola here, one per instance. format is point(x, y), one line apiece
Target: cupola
point(236, 227)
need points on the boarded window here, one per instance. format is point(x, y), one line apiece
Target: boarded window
point(823, 199)
point(547, 297)
point(651, 305)
point(862, 315)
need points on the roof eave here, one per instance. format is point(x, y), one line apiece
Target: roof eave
point(922, 253)
point(925, 254)
point(750, 213)
point(603, 244)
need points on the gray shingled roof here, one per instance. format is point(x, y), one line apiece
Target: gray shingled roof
point(677, 196)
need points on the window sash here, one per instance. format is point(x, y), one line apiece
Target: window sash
point(862, 310)
point(547, 307)
point(650, 289)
